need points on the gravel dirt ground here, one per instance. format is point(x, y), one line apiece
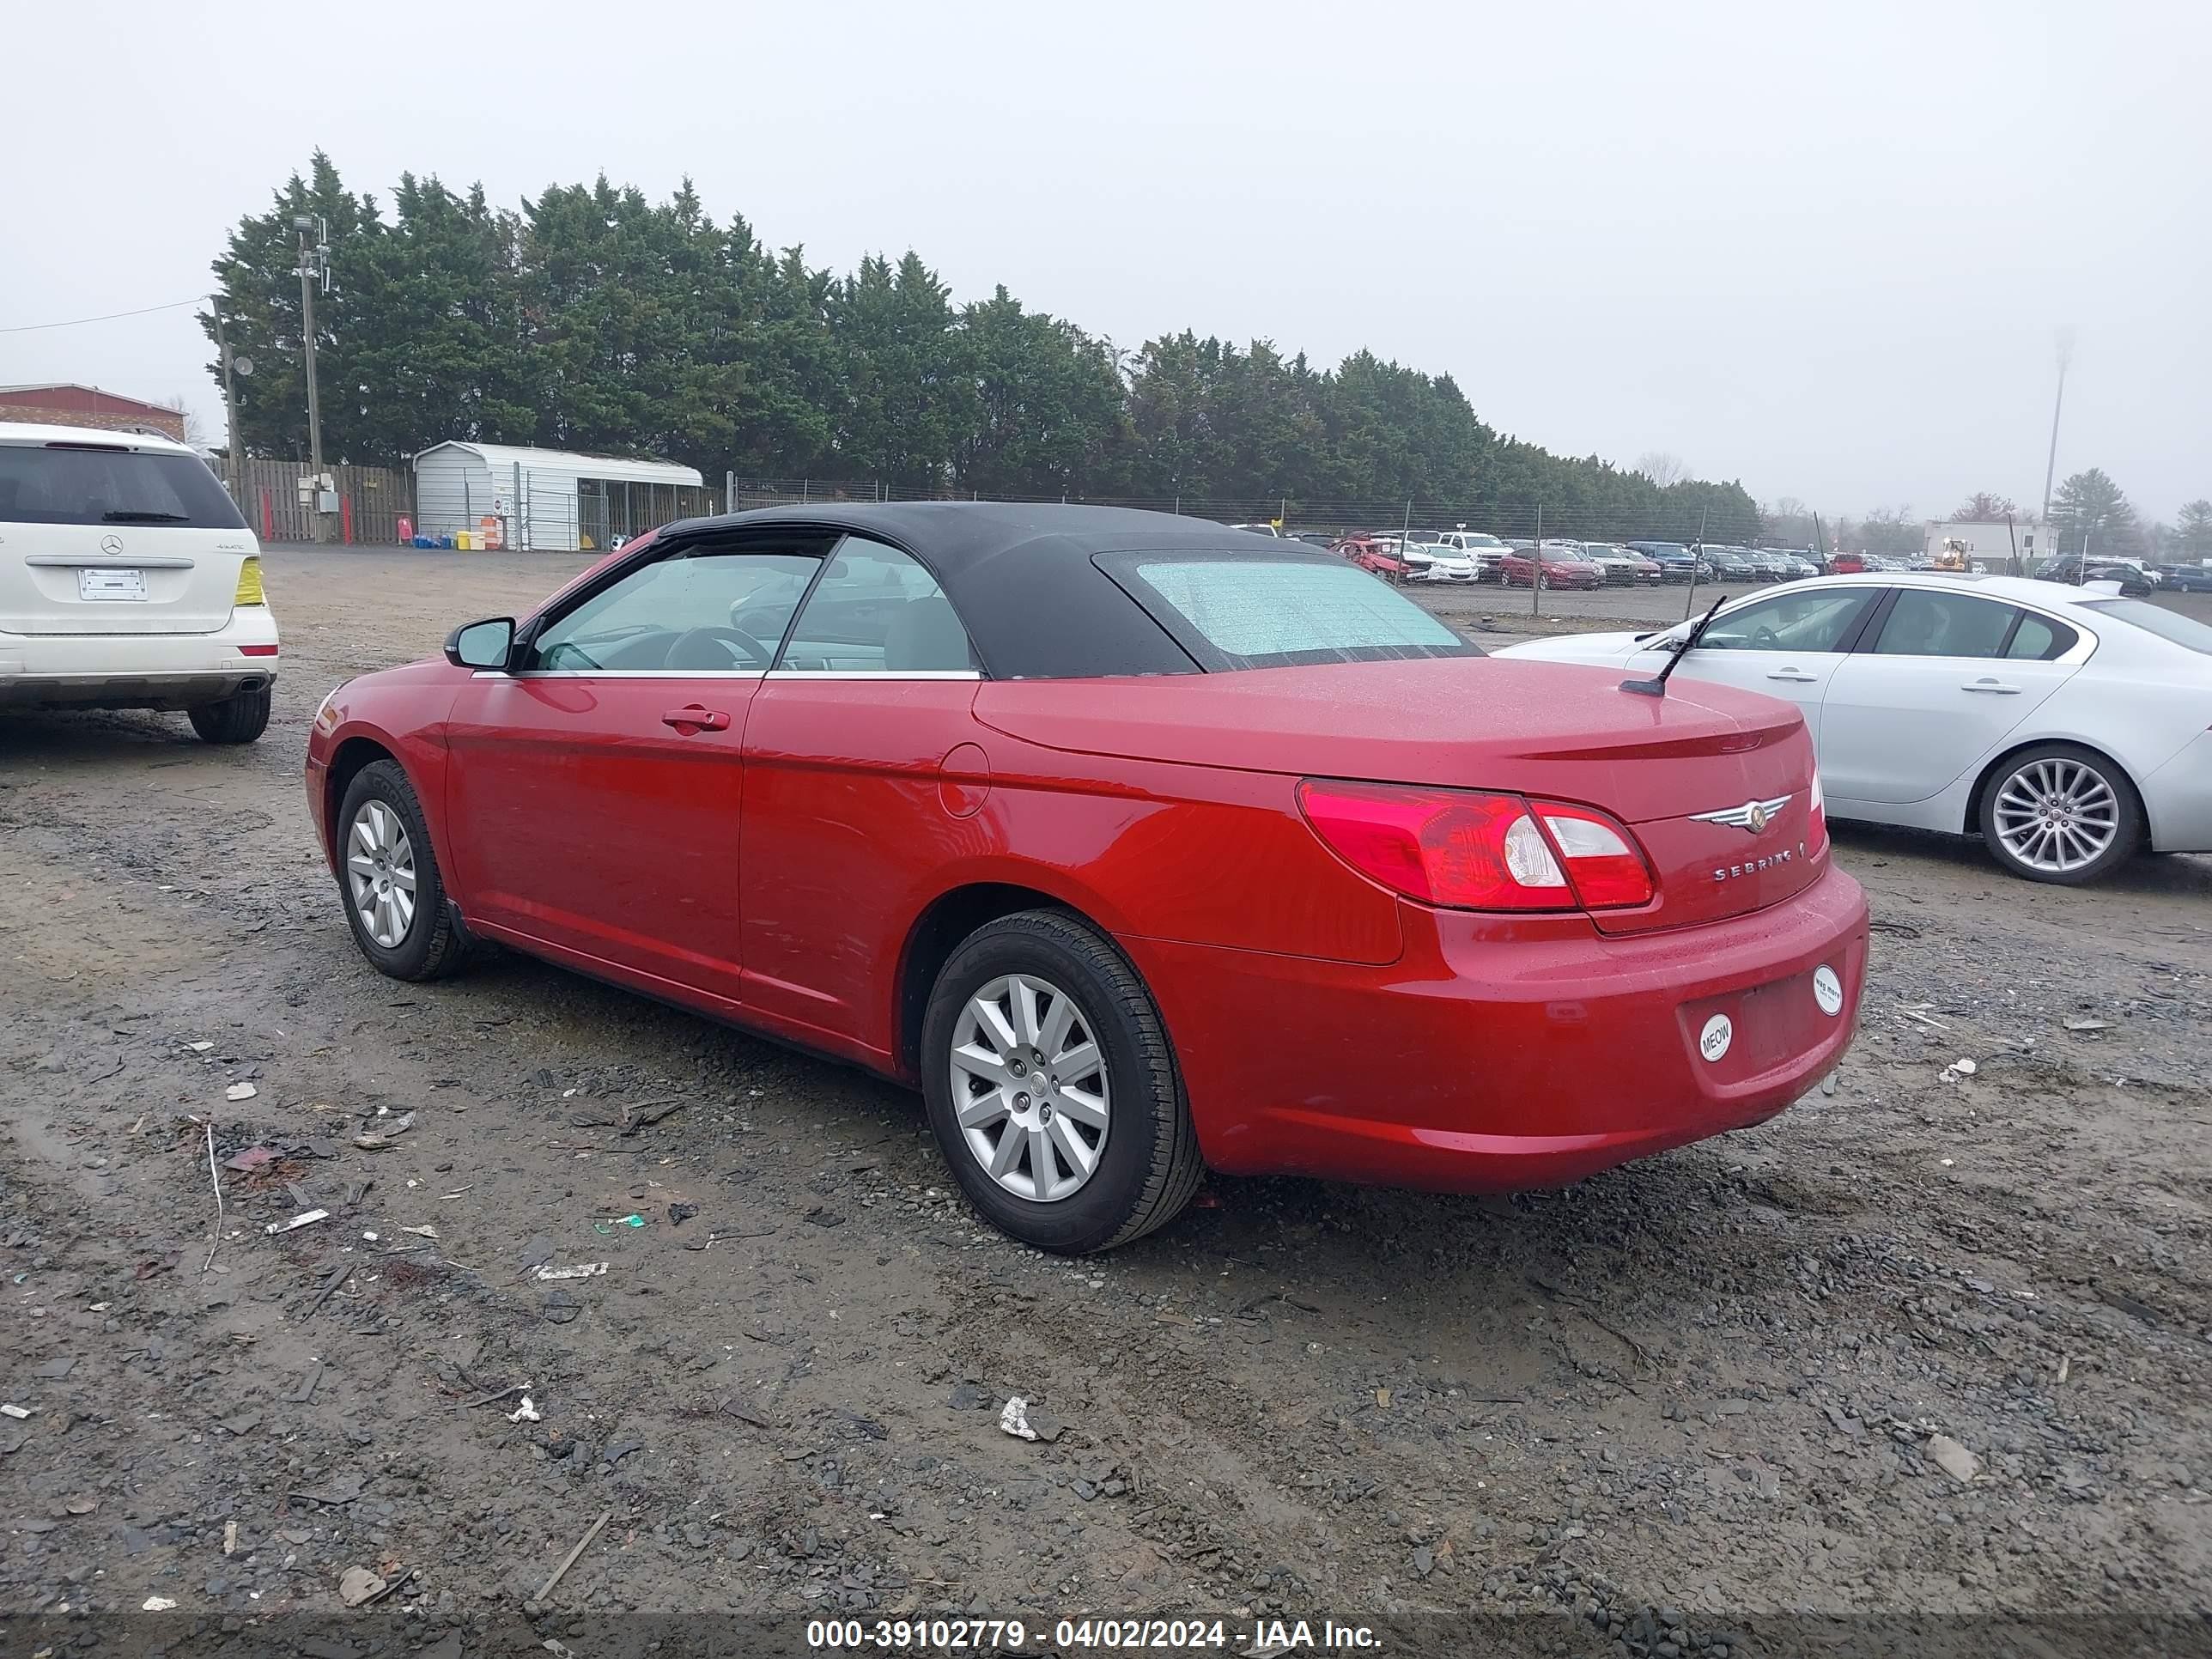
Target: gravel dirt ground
point(1933, 1342)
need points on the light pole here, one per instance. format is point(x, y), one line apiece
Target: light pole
point(314, 266)
point(2050, 464)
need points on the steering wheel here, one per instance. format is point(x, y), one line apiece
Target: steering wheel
point(755, 654)
point(1764, 638)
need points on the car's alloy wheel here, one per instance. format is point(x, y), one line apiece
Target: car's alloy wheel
point(388, 879)
point(380, 870)
point(2060, 814)
point(1030, 1087)
point(1052, 1087)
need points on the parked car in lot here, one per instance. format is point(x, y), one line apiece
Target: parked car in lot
point(1558, 569)
point(1727, 564)
point(1485, 550)
point(1379, 555)
point(1676, 562)
point(1023, 840)
point(2066, 726)
point(1622, 567)
point(1258, 529)
point(2135, 582)
point(2186, 577)
point(1438, 562)
point(129, 580)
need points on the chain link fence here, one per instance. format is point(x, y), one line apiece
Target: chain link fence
point(1294, 516)
point(1390, 527)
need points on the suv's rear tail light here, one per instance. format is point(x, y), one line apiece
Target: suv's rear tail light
point(1470, 850)
point(249, 583)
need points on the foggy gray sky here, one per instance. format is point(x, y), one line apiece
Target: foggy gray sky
point(1821, 248)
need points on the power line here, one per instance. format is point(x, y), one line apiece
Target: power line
point(76, 322)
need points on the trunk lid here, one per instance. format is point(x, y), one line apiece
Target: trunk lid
point(1548, 730)
point(111, 533)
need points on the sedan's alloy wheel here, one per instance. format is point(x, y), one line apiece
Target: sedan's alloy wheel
point(1030, 1087)
point(2057, 815)
point(380, 872)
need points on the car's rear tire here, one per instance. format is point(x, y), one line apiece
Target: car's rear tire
point(999, 1001)
point(238, 719)
point(2057, 812)
point(388, 880)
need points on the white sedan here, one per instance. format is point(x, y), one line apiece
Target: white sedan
point(1436, 561)
point(2065, 725)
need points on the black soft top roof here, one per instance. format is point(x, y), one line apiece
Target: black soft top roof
point(1021, 576)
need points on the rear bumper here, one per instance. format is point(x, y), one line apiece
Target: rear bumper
point(2177, 800)
point(1500, 1054)
point(137, 670)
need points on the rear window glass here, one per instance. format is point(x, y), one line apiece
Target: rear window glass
point(2167, 624)
point(95, 484)
point(1266, 613)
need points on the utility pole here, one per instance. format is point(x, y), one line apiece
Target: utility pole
point(231, 365)
point(2050, 465)
point(314, 267)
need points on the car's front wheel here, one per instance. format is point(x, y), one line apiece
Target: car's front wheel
point(238, 719)
point(1053, 1088)
point(388, 877)
point(2061, 813)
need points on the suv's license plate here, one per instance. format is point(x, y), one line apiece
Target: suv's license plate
point(111, 583)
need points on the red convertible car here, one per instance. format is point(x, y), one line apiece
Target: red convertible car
point(1137, 844)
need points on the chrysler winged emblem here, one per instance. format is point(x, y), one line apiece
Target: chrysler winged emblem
point(1751, 818)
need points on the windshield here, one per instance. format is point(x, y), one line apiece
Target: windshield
point(1232, 613)
point(100, 483)
point(2185, 631)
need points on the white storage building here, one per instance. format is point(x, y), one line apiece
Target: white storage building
point(547, 500)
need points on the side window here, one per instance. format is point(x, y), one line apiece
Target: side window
point(876, 612)
point(697, 612)
point(1792, 621)
point(1922, 623)
point(2039, 639)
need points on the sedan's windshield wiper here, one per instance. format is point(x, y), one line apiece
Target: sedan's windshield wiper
point(1657, 687)
point(128, 516)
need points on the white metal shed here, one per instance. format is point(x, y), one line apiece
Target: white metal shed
point(547, 500)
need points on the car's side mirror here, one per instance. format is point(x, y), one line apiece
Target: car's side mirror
point(481, 644)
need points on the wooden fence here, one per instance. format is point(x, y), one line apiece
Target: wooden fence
point(372, 499)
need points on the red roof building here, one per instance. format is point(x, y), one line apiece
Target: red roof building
point(87, 405)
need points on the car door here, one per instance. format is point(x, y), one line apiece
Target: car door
point(1942, 677)
point(594, 791)
point(1788, 645)
point(863, 780)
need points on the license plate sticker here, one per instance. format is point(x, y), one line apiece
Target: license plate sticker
point(123, 585)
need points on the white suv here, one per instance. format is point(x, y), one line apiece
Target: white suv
point(129, 580)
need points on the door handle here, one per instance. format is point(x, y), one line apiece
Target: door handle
point(697, 719)
point(1999, 687)
point(1793, 677)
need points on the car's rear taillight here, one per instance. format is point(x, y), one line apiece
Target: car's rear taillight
point(1470, 850)
point(1818, 809)
point(249, 583)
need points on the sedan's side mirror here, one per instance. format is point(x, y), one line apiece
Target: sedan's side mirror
point(481, 644)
